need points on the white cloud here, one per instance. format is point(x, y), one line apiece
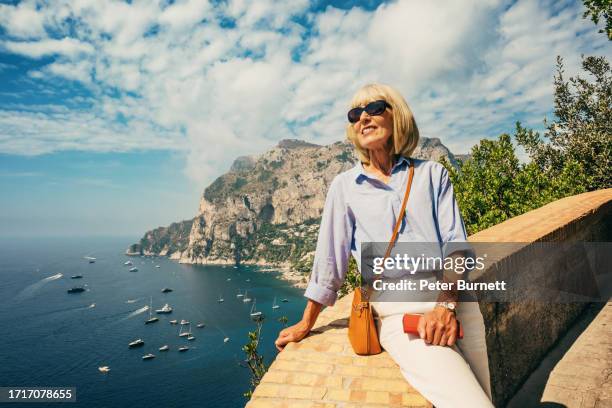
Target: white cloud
point(180, 76)
point(22, 21)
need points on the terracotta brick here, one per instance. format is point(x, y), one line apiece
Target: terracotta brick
point(358, 396)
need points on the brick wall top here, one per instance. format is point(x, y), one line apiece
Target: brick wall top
point(323, 372)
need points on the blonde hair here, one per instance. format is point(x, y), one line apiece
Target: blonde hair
point(405, 131)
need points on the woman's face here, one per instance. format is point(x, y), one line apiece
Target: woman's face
point(374, 132)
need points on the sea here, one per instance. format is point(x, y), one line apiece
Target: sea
point(50, 338)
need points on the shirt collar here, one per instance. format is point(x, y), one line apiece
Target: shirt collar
point(360, 172)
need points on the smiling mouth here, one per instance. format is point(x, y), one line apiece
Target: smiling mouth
point(367, 130)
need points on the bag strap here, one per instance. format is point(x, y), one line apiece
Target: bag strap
point(366, 293)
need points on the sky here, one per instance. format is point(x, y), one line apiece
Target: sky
point(115, 115)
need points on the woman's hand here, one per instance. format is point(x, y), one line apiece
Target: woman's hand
point(438, 327)
point(290, 334)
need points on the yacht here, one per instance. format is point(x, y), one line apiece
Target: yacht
point(184, 334)
point(148, 356)
point(201, 325)
point(136, 343)
point(166, 290)
point(134, 269)
point(77, 289)
point(91, 259)
point(76, 276)
point(174, 321)
point(284, 300)
point(239, 295)
point(157, 266)
point(164, 348)
point(184, 321)
point(246, 297)
point(254, 312)
point(151, 319)
point(104, 369)
point(190, 338)
point(225, 340)
point(164, 310)
point(274, 305)
point(183, 348)
point(128, 263)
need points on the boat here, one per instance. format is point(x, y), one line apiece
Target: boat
point(134, 269)
point(190, 338)
point(164, 310)
point(246, 297)
point(235, 267)
point(166, 290)
point(225, 340)
point(239, 294)
point(148, 356)
point(128, 263)
point(274, 305)
point(151, 319)
point(91, 259)
point(104, 369)
point(157, 266)
point(201, 325)
point(254, 312)
point(229, 279)
point(165, 347)
point(184, 321)
point(183, 348)
point(76, 276)
point(174, 321)
point(248, 280)
point(284, 300)
point(220, 300)
point(77, 289)
point(136, 343)
point(184, 334)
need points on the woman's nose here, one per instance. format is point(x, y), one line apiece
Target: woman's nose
point(364, 116)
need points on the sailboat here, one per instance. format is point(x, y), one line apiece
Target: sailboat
point(239, 295)
point(254, 313)
point(246, 297)
point(151, 319)
point(220, 300)
point(185, 334)
point(274, 305)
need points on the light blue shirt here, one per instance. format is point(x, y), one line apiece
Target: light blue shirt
point(361, 208)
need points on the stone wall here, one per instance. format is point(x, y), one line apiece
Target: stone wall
point(322, 371)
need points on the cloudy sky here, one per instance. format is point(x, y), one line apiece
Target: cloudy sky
point(115, 115)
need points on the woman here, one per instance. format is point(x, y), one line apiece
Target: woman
point(361, 206)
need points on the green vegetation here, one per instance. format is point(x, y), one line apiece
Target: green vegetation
point(254, 361)
point(596, 9)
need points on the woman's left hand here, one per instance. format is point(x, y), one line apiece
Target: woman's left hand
point(438, 327)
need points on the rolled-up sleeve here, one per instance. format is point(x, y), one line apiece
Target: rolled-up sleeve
point(333, 248)
point(450, 223)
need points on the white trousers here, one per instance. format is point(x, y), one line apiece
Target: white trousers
point(449, 377)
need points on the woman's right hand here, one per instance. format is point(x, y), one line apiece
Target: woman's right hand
point(290, 334)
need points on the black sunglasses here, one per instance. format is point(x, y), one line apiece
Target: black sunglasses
point(373, 109)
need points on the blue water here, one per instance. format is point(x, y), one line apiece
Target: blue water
point(52, 338)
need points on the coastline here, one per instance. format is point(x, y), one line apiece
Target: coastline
point(286, 273)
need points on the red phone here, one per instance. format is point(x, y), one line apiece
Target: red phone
point(411, 324)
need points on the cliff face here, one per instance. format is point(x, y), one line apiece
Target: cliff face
point(266, 209)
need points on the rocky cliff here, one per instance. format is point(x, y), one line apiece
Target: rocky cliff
point(266, 209)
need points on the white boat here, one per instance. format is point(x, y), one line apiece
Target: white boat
point(274, 305)
point(254, 312)
point(128, 263)
point(104, 369)
point(239, 294)
point(235, 267)
point(151, 319)
point(229, 279)
point(201, 325)
point(225, 340)
point(184, 321)
point(248, 280)
point(136, 343)
point(190, 338)
point(183, 348)
point(157, 266)
point(246, 297)
point(185, 334)
point(91, 259)
point(148, 356)
point(220, 300)
point(173, 321)
point(164, 310)
point(134, 269)
point(165, 347)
